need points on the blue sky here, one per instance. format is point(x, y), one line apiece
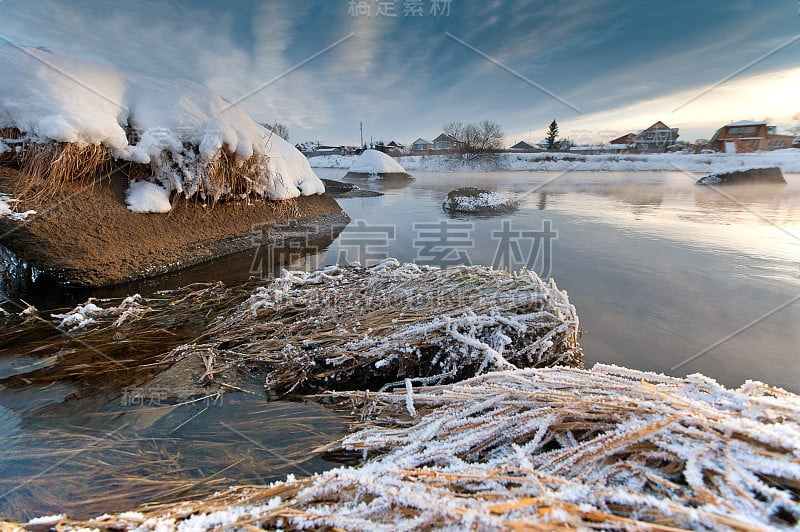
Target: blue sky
point(623, 64)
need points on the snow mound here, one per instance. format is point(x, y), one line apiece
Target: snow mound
point(143, 196)
point(173, 124)
point(374, 162)
point(472, 200)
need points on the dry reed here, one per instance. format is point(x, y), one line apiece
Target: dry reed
point(47, 168)
point(356, 328)
point(539, 449)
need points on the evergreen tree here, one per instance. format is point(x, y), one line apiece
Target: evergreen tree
point(552, 134)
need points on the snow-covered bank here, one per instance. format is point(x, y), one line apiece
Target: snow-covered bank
point(787, 160)
point(196, 142)
point(374, 163)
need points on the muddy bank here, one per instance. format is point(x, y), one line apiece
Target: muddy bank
point(90, 238)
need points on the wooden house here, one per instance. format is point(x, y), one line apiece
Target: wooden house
point(747, 136)
point(656, 138)
point(445, 143)
point(421, 146)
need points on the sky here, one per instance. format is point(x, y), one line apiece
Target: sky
point(405, 68)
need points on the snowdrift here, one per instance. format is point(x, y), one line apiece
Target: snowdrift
point(376, 164)
point(175, 133)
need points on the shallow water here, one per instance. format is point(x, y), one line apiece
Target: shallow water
point(659, 269)
point(663, 274)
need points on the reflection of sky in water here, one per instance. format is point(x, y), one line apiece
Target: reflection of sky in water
point(657, 267)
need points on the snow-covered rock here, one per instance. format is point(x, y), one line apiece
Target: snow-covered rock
point(376, 163)
point(471, 200)
point(173, 124)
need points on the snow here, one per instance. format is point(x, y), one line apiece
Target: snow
point(178, 123)
point(374, 162)
point(86, 315)
point(143, 196)
point(7, 212)
point(481, 201)
point(788, 160)
point(47, 520)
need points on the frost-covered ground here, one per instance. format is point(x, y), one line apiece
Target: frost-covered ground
point(178, 126)
point(472, 200)
point(787, 160)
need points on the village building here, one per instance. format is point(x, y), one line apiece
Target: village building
point(445, 142)
point(421, 146)
point(748, 136)
point(656, 138)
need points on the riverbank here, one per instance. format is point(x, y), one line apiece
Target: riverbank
point(787, 160)
point(90, 238)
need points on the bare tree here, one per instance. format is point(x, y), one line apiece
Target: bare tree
point(279, 129)
point(483, 137)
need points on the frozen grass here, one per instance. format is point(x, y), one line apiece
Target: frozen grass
point(538, 449)
point(355, 328)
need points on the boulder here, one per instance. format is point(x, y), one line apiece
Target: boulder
point(471, 200)
point(745, 176)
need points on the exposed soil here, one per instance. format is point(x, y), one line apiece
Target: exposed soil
point(89, 238)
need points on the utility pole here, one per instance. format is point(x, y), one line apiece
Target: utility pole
point(361, 125)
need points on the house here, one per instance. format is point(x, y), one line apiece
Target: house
point(393, 148)
point(445, 142)
point(748, 136)
point(421, 145)
point(627, 140)
point(656, 138)
point(796, 143)
point(525, 146)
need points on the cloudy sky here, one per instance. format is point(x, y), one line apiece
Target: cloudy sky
point(406, 67)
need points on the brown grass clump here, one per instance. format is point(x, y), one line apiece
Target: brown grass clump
point(47, 168)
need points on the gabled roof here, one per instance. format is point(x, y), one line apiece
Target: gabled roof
point(521, 145)
point(422, 141)
point(445, 137)
point(658, 125)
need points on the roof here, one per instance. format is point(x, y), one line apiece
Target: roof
point(746, 123)
point(422, 141)
point(445, 136)
point(522, 144)
point(658, 125)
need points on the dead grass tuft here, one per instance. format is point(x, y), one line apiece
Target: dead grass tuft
point(47, 168)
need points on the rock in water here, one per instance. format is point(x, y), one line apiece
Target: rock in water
point(471, 200)
point(747, 176)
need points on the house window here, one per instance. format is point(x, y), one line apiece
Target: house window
point(776, 143)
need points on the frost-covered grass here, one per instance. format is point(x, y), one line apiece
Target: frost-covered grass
point(194, 142)
point(787, 160)
point(554, 448)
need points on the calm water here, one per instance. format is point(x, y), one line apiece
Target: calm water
point(660, 270)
